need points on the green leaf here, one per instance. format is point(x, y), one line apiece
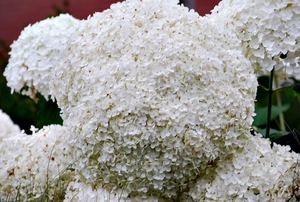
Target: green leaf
point(293, 91)
point(274, 134)
point(296, 87)
point(47, 113)
point(261, 114)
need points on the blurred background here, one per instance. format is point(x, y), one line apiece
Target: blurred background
point(17, 14)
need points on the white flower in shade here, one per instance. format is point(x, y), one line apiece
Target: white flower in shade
point(78, 191)
point(7, 127)
point(35, 53)
point(32, 164)
point(151, 93)
point(269, 31)
point(254, 172)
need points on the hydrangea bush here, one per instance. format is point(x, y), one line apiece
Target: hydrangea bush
point(7, 127)
point(79, 191)
point(157, 104)
point(254, 172)
point(269, 31)
point(148, 80)
point(30, 164)
point(36, 52)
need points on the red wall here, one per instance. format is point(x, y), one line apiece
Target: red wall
point(16, 14)
point(205, 6)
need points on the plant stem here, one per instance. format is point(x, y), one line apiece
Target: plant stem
point(270, 93)
point(279, 103)
point(275, 90)
point(281, 88)
point(264, 88)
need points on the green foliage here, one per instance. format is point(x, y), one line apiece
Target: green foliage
point(261, 114)
point(274, 134)
point(296, 87)
point(293, 90)
point(23, 110)
point(285, 109)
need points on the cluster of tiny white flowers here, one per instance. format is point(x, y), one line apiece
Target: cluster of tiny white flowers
point(254, 172)
point(267, 29)
point(7, 127)
point(30, 164)
point(156, 101)
point(78, 191)
point(36, 52)
point(152, 93)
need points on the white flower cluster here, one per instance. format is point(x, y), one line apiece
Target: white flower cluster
point(254, 172)
point(152, 93)
point(7, 127)
point(269, 31)
point(157, 103)
point(36, 52)
point(78, 191)
point(30, 164)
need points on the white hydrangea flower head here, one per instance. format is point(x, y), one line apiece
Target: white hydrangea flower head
point(7, 127)
point(30, 164)
point(35, 53)
point(78, 191)
point(255, 172)
point(152, 93)
point(269, 31)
